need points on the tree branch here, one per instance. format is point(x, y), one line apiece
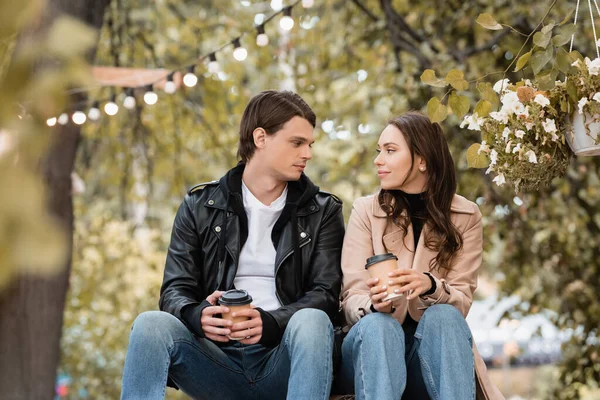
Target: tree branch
point(364, 9)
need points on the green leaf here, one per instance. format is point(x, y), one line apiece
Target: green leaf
point(456, 78)
point(542, 39)
point(459, 104)
point(522, 61)
point(483, 108)
point(488, 22)
point(567, 17)
point(436, 110)
point(540, 59)
point(548, 28)
point(69, 37)
point(487, 93)
point(547, 80)
point(564, 34)
point(572, 91)
point(475, 160)
point(428, 77)
point(563, 62)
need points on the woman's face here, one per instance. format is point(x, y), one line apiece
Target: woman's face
point(394, 163)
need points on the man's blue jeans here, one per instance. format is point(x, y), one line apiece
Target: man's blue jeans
point(160, 346)
point(378, 364)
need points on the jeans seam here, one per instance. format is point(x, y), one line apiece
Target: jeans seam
point(429, 376)
point(329, 371)
point(359, 332)
point(205, 354)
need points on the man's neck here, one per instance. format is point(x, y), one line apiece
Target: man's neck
point(264, 187)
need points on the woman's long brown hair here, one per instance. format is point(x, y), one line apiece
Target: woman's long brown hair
point(428, 141)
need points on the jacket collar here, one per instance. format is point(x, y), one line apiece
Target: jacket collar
point(301, 193)
point(459, 205)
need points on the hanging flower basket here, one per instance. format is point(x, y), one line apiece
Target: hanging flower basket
point(583, 134)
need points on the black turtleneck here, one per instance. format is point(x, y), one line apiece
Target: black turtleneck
point(417, 210)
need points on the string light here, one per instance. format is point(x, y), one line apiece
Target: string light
point(190, 79)
point(79, 117)
point(63, 119)
point(94, 113)
point(51, 121)
point(308, 3)
point(150, 97)
point(170, 86)
point(239, 53)
point(261, 38)
point(111, 108)
point(129, 102)
point(287, 22)
point(213, 65)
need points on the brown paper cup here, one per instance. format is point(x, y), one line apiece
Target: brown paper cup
point(379, 266)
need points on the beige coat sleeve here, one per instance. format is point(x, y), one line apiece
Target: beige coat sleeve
point(358, 246)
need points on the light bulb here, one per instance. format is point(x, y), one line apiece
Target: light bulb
point(190, 79)
point(261, 38)
point(286, 23)
point(150, 97)
point(170, 86)
point(63, 119)
point(111, 108)
point(129, 102)
point(51, 121)
point(79, 117)
point(239, 53)
point(94, 113)
point(213, 65)
point(308, 3)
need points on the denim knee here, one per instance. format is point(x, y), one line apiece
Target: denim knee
point(379, 326)
point(155, 326)
point(310, 323)
point(442, 318)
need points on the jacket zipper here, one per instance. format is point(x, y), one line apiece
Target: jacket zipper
point(301, 245)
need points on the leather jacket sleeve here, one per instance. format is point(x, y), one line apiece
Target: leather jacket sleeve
point(180, 286)
point(324, 281)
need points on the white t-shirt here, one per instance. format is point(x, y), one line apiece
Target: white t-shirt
point(256, 269)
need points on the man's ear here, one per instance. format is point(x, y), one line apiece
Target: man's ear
point(260, 138)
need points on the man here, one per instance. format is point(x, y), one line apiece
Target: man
point(263, 227)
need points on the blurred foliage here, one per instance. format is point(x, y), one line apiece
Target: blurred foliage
point(137, 165)
point(35, 71)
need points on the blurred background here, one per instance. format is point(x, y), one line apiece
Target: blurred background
point(86, 207)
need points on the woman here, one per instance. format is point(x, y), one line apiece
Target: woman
point(420, 347)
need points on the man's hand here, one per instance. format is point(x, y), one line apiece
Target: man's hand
point(251, 330)
point(410, 279)
point(215, 329)
point(378, 293)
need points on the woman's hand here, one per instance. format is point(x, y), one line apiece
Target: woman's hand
point(410, 280)
point(378, 293)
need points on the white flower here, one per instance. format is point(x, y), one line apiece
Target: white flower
point(529, 125)
point(483, 147)
point(474, 122)
point(490, 169)
point(582, 102)
point(593, 66)
point(499, 116)
point(576, 63)
point(505, 134)
point(541, 100)
point(519, 133)
point(499, 179)
point(493, 157)
point(509, 97)
point(527, 82)
point(597, 95)
point(532, 157)
point(517, 148)
point(501, 85)
point(549, 125)
point(554, 137)
point(521, 110)
point(507, 150)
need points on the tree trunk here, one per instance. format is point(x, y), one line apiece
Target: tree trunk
point(31, 310)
